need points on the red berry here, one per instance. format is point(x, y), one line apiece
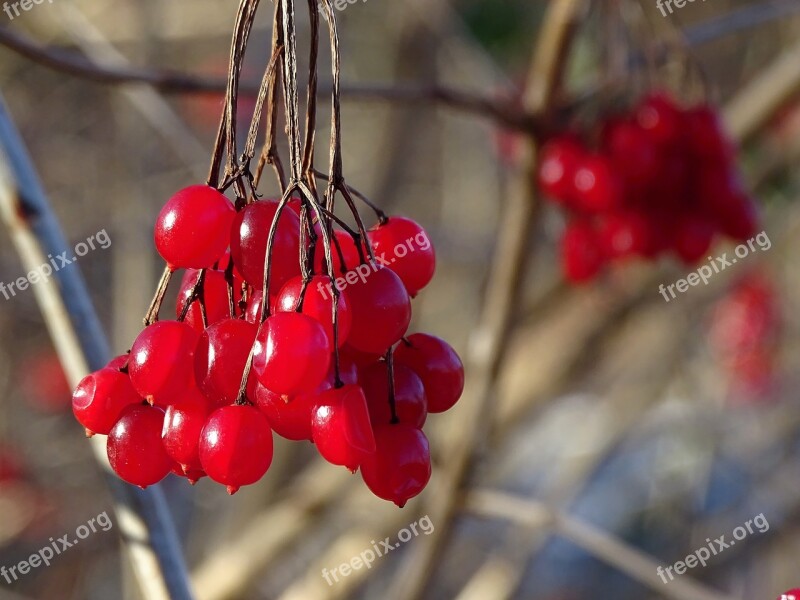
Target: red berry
point(134, 446)
point(192, 230)
point(624, 234)
point(407, 249)
point(411, 404)
point(597, 186)
point(162, 361)
point(249, 234)
point(341, 428)
point(318, 304)
point(661, 119)
point(707, 137)
point(437, 365)
point(633, 152)
point(381, 310)
point(693, 237)
point(557, 167)
point(118, 362)
point(292, 353)
point(349, 251)
point(581, 254)
point(793, 594)
point(289, 417)
point(215, 297)
point(252, 313)
point(183, 424)
point(100, 398)
point(236, 446)
point(220, 358)
point(740, 219)
point(400, 467)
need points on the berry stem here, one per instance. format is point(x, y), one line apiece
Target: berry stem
point(389, 357)
point(155, 305)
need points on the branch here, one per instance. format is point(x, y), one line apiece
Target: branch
point(143, 517)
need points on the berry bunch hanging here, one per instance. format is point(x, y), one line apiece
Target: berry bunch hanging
point(659, 179)
point(288, 320)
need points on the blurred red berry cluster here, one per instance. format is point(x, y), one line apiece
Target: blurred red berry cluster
point(659, 179)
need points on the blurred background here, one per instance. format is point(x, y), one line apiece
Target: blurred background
point(603, 431)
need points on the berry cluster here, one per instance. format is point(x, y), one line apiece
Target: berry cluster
point(659, 179)
point(323, 358)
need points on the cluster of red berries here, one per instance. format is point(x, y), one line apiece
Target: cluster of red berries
point(793, 594)
point(328, 360)
point(659, 179)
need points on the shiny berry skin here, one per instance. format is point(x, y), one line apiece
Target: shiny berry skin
point(437, 365)
point(411, 404)
point(292, 353)
point(793, 594)
point(581, 253)
point(289, 417)
point(597, 186)
point(162, 361)
point(118, 362)
point(357, 357)
point(215, 297)
point(381, 310)
point(100, 398)
point(349, 251)
point(252, 313)
point(317, 304)
point(192, 230)
point(557, 166)
point(400, 467)
point(236, 446)
point(134, 446)
point(183, 423)
point(341, 428)
point(624, 234)
point(405, 245)
point(660, 118)
point(693, 237)
point(632, 151)
point(220, 358)
point(249, 234)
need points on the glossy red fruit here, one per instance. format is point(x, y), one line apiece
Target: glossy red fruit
point(236, 446)
point(317, 304)
point(162, 361)
point(292, 353)
point(624, 234)
point(191, 475)
point(381, 310)
point(633, 152)
point(249, 234)
point(183, 423)
point(693, 238)
point(793, 594)
point(739, 220)
point(220, 358)
point(408, 250)
point(349, 252)
point(708, 140)
point(252, 313)
point(717, 189)
point(341, 428)
point(581, 253)
point(134, 446)
point(557, 166)
point(192, 230)
point(410, 402)
point(358, 358)
point(118, 362)
point(661, 118)
point(290, 416)
point(437, 365)
point(215, 297)
point(400, 467)
point(100, 398)
point(597, 186)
